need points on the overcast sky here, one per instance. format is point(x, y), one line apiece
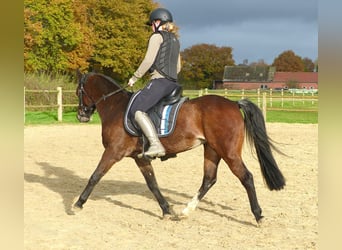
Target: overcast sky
point(255, 29)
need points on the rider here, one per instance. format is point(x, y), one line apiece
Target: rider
point(162, 60)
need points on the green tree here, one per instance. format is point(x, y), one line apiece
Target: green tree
point(51, 35)
point(204, 63)
point(121, 35)
point(288, 61)
point(309, 66)
point(316, 65)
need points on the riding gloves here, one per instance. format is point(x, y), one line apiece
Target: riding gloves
point(132, 80)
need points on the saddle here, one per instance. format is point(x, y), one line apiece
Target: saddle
point(163, 114)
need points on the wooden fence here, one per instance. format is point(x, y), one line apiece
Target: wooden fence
point(265, 99)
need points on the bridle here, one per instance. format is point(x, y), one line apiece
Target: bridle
point(88, 110)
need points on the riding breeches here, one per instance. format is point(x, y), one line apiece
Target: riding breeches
point(151, 94)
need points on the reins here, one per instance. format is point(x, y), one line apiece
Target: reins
point(103, 98)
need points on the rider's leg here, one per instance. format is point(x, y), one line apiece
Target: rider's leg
point(156, 149)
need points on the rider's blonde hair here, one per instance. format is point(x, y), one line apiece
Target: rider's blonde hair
point(170, 27)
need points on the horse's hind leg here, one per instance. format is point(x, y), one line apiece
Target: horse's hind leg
point(240, 170)
point(104, 165)
point(211, 161)
point(148, 173)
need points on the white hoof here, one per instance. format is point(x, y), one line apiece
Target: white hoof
point(186, 212)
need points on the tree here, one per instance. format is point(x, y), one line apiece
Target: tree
point(288, 61)
point(316, 65)
point(121, 35)
point(260, 62)
point(79, 57)
point(52, 36)
point(309, 66)
point(62, 35)
point(204, 63)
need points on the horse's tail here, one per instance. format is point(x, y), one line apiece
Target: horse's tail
point(256, 134)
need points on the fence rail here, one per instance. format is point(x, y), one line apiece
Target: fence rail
point(265, 99)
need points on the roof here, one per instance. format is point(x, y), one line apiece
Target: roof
point(248, 73)
point(301, 77)
point(244, 73)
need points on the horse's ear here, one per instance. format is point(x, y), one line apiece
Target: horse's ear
point(78, 75)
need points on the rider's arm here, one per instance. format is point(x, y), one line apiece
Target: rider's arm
point(152, 50)
point(179, 66)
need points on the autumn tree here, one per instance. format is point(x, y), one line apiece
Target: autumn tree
point(202, 64)
point(121, 35)
point(288, 61)
point(53, 39)
point(78, 58)
point(62, 35)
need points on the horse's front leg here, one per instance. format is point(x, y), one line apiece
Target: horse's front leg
point(106, 162)
point(148, 173)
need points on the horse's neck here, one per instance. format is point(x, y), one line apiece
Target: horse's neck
point(115, 104)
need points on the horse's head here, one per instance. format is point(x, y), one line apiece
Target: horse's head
point(92, 89)
point(86, 105)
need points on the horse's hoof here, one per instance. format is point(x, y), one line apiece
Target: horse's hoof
point(186, 211)
point(167, 217)
point(75, 210)
point(261, 221)
point(76, 207)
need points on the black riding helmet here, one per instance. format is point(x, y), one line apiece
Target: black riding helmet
point(160, 14)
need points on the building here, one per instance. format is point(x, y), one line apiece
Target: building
point(265, 77)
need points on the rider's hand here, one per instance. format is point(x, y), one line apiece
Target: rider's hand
point(132, 81)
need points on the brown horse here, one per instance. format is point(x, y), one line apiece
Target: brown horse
point(212, 121)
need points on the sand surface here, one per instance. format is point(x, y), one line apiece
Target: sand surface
point(121, 213)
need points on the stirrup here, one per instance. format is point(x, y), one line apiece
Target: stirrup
point(151, 157)
point(142, 155)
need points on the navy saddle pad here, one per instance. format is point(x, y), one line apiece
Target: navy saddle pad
point(163, 115)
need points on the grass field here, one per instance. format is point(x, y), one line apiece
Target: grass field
point(50, 117)
point(281, 107)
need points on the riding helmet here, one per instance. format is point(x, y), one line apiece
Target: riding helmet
point(160, 14)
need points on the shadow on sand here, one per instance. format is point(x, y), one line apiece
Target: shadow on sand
point(59, 180)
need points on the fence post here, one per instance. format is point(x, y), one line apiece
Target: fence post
point(271, 98)
point(282, 98)
point(59, 103)
point(293, 99)
point(258, 91)
point(264, 105)
point(242, 94)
